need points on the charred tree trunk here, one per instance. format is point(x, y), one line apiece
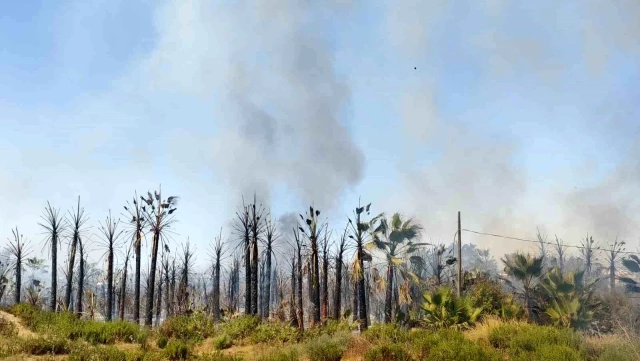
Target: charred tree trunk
point(388, 294)
point(136, 282)
point(123, 290)
point(216, 291)
point(292, 302)
point(267, 285)
point(79, 305)
point(152, 280)
point(299, 299)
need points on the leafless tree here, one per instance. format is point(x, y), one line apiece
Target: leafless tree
point(136, 231)
point(110, 237)
point(77, 220)
point(18, 251)
point(54, 225)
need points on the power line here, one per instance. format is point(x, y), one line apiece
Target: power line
point(548, 243)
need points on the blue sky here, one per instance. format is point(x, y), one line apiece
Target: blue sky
point(518, 114)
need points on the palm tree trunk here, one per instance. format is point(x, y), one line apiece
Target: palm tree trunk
point(315, 281)
point(337, 293)
point(216, 291)
point(123, 290)
point(325, 287)
point(267, 291)
point(389, 294)
point(159, 299)
point(247, 276)
point(362, 291)
point(136, 286)
point(54, 273)
point(254, 276)
point(80, 281)
point(152, 280)
point(18, 277)
point(110, 283)
point(72, 263)
point(300, 307)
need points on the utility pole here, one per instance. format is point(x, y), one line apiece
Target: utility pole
point(459, 257)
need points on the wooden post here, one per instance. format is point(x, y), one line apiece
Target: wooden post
point(459, 257)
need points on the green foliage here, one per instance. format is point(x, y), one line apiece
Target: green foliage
point(218, 356)
point(67, 325)
point(287, 354)
point(632, 264)
point(327, 348)
point(620, 352)
point(44, 346)
point(7, 329)
point(177, 350)
point(222, 342)
point(488, 296)
point(273, 331)
point(526, 341)
point(444, 309)
point(332, 327)
point(571, 300)
point(510, 309)
point(162, 341)
point(550, 353)
point(98, 354)
point(241, 327)
point(387, 352)
point(386, 333)
point(195, 327)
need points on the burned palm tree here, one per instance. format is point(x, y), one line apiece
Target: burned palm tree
point(110, 237)
point(257, 228)
point(358, 234)
point(81, 269)
point(183, 288)
point(136, 231)
point(298, 262)
point(234, 286)
point(18, 250)
point(613, 257)
point(166, 271)
point(337, 293)
point(158, 215)
point(54, 225)
point(77, 220)
point(588, 252)
point(217, 258)
point(324, 285)
point(561, 251)
point(123, 284)
point(242, 227)
point(312, 233)
point(271, 236)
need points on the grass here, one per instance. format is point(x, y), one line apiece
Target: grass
point(195, 337)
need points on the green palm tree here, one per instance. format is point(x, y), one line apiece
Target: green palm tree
point(571, 299)
point(527, 270)
point(444, 309)
point(395, 240)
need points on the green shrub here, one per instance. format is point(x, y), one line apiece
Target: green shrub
point(386, 333)
point(387, 352)
point(98, 354)
point(287, 354)
point(444, 309)
point(332, 327)
point(7, 329)
point(222, 342)
point(218, 356)
point(459, 349)
point(44, 346)
point(273, 331)
point(620, 352)
point(195, 327)
point(177, 350)
point(241, 327)
point(487, 295)
point(550, 353)
point(162, 341)
point(501, 336)
point(524, 341)
point(327, 348)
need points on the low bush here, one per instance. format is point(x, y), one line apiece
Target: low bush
point(620, 352)
point(387, 352)
point(195, 327)
point(327, 348)
point(45, 346)
point(241, 327)
point(177, 350)
point(386, 333)
point(331, 327)
point(218, 356)
point(287, 354)
point(7, 329)
point(162, 341)
point(222, 342)
point(273, 331)
point(98, 354)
